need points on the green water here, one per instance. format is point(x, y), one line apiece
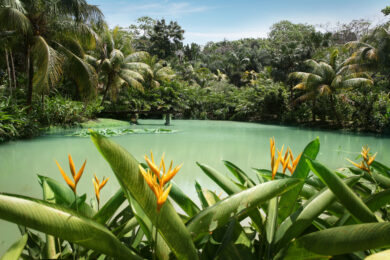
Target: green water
point(245, 144)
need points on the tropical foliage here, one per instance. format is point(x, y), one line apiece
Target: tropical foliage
point(310, 213)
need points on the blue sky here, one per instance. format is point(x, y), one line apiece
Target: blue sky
point(215, 20)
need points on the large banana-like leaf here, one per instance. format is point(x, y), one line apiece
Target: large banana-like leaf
point(343, 193)
point(63, 223)
point(230, 188)
point(125, 167)
point(237, 204)
point(239, 174)
point(379, 256)
point(295, 224)
point(289, 199)
point(222, 181)
point(109, 209)
point(183, 200)
point(340, 240)
point(14, 252)
point(62, 195)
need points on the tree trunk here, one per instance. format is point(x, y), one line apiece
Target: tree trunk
point(13, 69)
point(43, 101)
point(313, 109)
point(106, 90)
point(332, 102)
point(8, 71)
point(30, 79)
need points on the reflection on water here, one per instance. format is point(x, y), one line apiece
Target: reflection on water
point(209, 142)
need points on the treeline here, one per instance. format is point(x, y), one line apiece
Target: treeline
point(61, 64)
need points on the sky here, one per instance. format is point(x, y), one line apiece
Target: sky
point(216, 20)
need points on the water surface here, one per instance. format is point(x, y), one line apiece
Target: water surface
point(209, 142)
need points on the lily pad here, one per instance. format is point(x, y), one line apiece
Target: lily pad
point(110, 132)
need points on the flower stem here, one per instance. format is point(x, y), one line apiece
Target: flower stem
point(155, 239)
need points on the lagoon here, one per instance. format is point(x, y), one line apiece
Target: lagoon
point(209, 142)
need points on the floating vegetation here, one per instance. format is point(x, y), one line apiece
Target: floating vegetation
point(109, 132)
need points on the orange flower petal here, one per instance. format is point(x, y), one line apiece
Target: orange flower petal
point(171, 174)
point(66, 178)
point(355, 164)
point(152, 166)
point(71, 166)
point(103, 183)
point(78, 176)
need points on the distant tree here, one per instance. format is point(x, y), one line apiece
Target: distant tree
point(291, 44)
point(166, 39)
point(141, 32)
point(372, 53)
point(326, 78)
point(118, 69)
point(352, 31)
point(192, 52)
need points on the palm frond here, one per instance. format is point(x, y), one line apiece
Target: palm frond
point(139, 66)
point(324, 89)
point(82, 73)
point(137, 57)
point(299, 75)
point(300, 86)
point(16, 4)
point(12, 19)
point(116, 57)
point(81, 10)
point(130, 73)
point(356, 83)
point(165, 73)
point(307, 96)
point(48, 63)
point(128, 77)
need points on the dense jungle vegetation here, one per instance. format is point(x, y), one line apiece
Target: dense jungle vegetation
point(61, 64)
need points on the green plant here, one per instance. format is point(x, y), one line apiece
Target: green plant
point(314, 213)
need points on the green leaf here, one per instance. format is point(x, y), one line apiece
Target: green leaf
point(201, 197)
point(237, 204)
point(14, 252)
point(127, 172)
point(147, 228)
point(183, 200)
point(343, 193)
point(230, 188)
point(61, 194)
point(239, 174)
point(379, 256)
point(63, 223)
point(289, 199)
point(271, 223)
point(381, 168)
point(109, 209)
point(222, 181)
point(301, 219)
point(343, 240)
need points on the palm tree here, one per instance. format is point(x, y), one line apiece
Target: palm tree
point(53, 30)
point(326, 79)
point(160, 69)
point(116, 68)
point(372, 53)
